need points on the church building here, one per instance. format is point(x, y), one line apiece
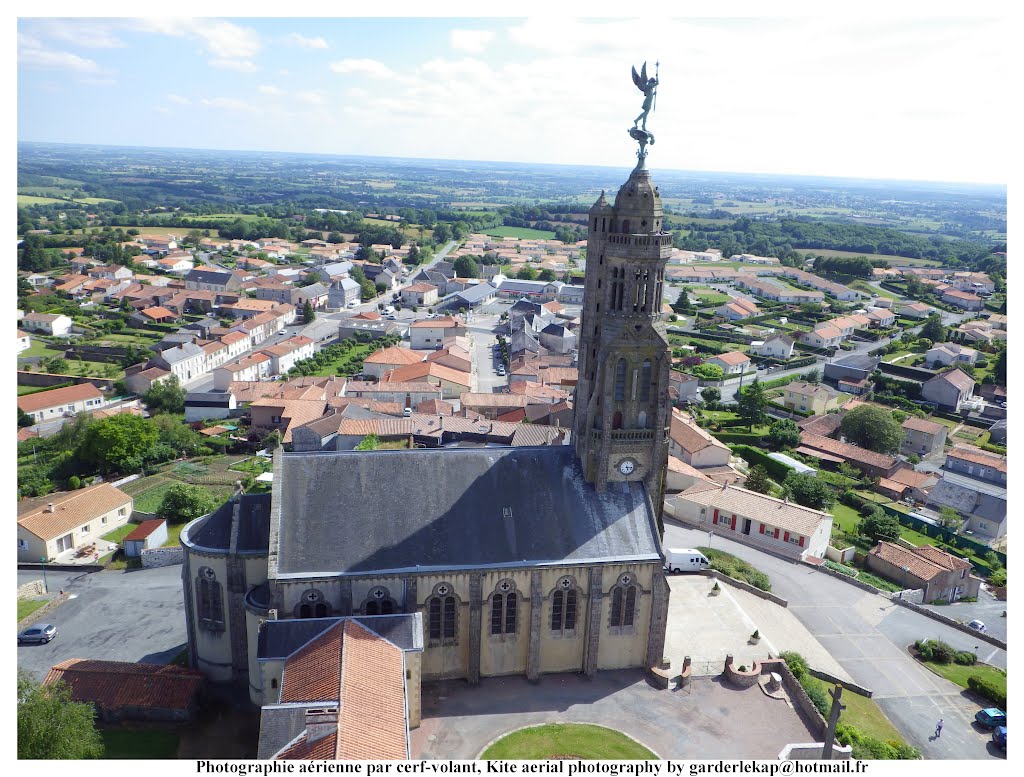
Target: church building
point(483, 561)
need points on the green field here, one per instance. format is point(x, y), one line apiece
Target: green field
point(523, 232)
point(894, 260)
point(866, 715)
point(28, 606)
point(40, 348)
point(28, 199)
point(151, 230)
point(567, 740)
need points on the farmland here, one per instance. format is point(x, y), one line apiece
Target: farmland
point(521, 232)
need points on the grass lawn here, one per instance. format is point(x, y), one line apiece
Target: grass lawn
point(356, 354)
point(866, 715)
point(139, 743)
point(41, 348)
point(524, 232)
point(28, 606)
point(23, 390)
point(730, 565)
point(893, 260)
point(845, 517)
point(28, 199)
point(874, 291)
point(958, 674)
point(560, 740)
point(120, 532)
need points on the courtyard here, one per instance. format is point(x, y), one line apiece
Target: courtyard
point(708, 719)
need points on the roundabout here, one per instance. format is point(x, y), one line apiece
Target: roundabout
point(561, 741)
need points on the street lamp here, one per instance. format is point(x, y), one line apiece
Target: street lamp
point(46, 588)
point(710, 535)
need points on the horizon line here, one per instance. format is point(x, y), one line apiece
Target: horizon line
point(1002, 186)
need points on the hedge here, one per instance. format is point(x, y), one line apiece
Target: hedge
point(776, 469)
point(983, 687)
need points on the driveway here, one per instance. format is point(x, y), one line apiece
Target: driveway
point(987, 609)
point(868, 636)
point(117, 616)
point(711, 719)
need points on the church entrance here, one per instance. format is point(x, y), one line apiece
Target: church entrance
point(746, 526)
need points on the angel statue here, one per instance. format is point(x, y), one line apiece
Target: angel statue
point(649, 86)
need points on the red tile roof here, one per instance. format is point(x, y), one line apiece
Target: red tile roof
point(847, 451)
point(978, 456)
point(313, 673)
point(61, 396)
point(144, 529)
point(114, 685)
point(322, 749)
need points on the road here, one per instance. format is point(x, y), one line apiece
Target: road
point(480, 327)
point(868, 635)
point(136, 615)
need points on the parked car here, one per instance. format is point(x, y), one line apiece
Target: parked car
point(977, 626)
point(991, 717)
point(501, 372)
point(999, 737)
point(41, 633)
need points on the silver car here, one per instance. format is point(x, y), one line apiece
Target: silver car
point(41, 633)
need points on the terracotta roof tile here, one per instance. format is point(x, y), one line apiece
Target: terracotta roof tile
point(117, 684)
point(759, 507)
point(916, 564)
point(847, 451)
point(322, 749)
point(978, 456)
point(922, 425)
point(313, 673)
point(144, 529)
point(394, 355)
point(73, 509)
point(61, 396)
point(731, 358)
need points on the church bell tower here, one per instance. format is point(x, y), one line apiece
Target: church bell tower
point(622, 408)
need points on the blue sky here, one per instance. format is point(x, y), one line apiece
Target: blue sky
point(867, 96)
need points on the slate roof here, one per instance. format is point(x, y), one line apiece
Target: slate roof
point(208, 276)
point(214, 531)
point(279, 725)
point(114, 685)
point(451, 508)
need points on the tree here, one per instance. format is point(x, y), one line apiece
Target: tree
point(758, 480)
point(24, 419)
point(933, 329)
point(999, 368)
point(466, 267)
point(368, 443)
point(308, 314)
point(751, 404)
point(812, 376)
point(53, 726)
point(526, 273)
point(949, 518)
point(874, 428)
point(784, 434)
point(808, 491)
point(708, 372)
point(185, 502)
point(547, 275)
point(166, 396)
point(117, 443)
point(56, 365)
point(879, 525)
point(710, 394)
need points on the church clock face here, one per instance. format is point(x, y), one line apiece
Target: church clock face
point(626, 466)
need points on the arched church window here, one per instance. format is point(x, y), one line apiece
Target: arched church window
point(442, 615)
point(617, 420)
point(504, 608)
point(312, 604)
point(564, 601)
point(623, 596)
point(645, 381)
point(641, 419)
point(379, 602)
point(209, 600)
point(620, 380)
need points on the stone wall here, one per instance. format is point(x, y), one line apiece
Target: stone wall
point(30, 589)
point(40, 379)
point(951, 622)
point(843, 556)
point(745, 586)
point(846, 578)
point(42, 612)
point(742, 678)
point(162, 557)
point(811, 751)
point(801, 701)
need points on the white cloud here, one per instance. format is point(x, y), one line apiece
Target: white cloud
point(227, 40)
point(307, 43)
point(238, 65)
point(269, 89)
point(367, 67)
point(471, 41)
point(177, 98)
point(32, 53)
point(229, 104)
point(82, 32)
point(311, 97)
point(356, 93)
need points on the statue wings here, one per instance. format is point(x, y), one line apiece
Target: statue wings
point(641, 79)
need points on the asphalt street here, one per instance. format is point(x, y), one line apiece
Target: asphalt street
point(136, 615)
point(869, 636)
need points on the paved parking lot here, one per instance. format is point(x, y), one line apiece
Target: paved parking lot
point(710, 719)
point(117, 616)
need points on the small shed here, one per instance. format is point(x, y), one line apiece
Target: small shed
point(148, 534)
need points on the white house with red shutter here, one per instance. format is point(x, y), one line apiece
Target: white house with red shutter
point(771, 524)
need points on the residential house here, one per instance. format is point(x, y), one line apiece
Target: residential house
point(140, 378)
point(557, 338)
point(285, 414)
point(453, 356)
point(177, 262)
point(203, 405)
point(24, 341)
point(976, 463)
point(906, 482)
point(285, 354)
point(492, 406)
point(732, 362)
point(852, 368)
point(942, 576)
point(71, 520)
point(738, 309)
point(776, 525)
point(693, 445)
point(154, 315)
point(113, 272)
point(777, 346)
point(826, 449)
point(71, 284)
point(453, 383)
point(431, 333)
point(963, 299)
point(948, 390)
point(341, 292)
point(212, 280)
point(916, 310)
point(922, 437)
point(419, 294)
point(387, 359)
point(247, 368)
point(403, 394)
point(815, 398)
point(56, 324)
point(237, 343)
point(823, 336)
point(945, 354)
point(59, 402)
point(881, 318)
point(187, 361)
point(682, 387)
point(981, 503)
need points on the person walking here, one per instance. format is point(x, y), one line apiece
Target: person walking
point(938, 729)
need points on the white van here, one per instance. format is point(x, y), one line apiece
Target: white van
point(685, 560)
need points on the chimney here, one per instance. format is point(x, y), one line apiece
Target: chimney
point(50, 508)
point(321, 723)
